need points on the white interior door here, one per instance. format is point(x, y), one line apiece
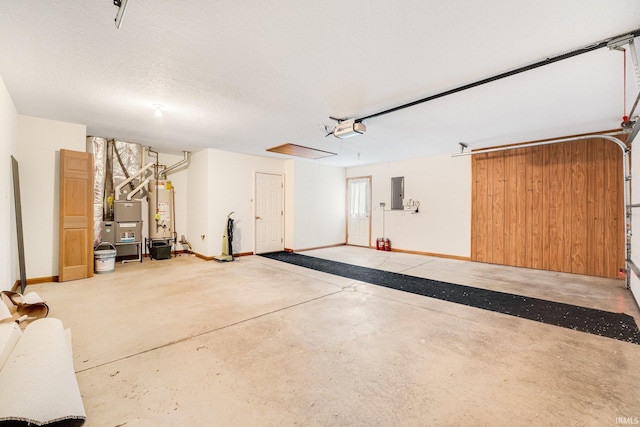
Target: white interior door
point(269, 213)
point(359, 211)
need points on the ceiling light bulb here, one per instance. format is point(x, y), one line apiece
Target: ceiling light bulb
point(158, 112)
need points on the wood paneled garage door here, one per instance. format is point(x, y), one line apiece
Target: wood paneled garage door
point(555, 207)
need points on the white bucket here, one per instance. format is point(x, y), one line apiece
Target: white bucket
point(105, 260)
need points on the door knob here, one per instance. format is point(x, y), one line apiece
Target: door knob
point(258, 217)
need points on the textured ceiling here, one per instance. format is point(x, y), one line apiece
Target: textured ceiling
point(247, 76)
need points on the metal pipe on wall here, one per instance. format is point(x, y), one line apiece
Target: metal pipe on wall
point(626, 178)
point(184, 161)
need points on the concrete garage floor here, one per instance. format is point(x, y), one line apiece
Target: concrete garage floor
point(185, 342)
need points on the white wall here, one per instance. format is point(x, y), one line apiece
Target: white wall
point(442, 185)
point(221, 182)
point(198, 209)
point(232, 189)
point(317, 206)
point(38, 153)
point(8, 144)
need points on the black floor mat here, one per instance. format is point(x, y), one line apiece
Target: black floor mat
point(618, 326)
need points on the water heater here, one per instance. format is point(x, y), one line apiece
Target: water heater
point(161, 209)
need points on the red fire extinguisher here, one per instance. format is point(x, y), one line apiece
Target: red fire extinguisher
point(387, 244)
point(379, 244)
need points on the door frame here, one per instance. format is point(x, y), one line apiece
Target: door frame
point(255, 208)
point(346, 211)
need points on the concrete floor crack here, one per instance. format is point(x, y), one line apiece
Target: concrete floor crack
point(230, 325)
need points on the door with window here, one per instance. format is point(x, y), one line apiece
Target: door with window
point(359, 211)
point(269, 213)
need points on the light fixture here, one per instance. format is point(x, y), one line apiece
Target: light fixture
point(158, 108)
point(122, 6)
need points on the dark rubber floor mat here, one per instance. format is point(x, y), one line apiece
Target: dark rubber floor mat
point(618, 326)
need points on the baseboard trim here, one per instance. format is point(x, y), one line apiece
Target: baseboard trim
point(436, 255)
point(38, 280)
point(35, 281)
point(317, 247)
point(405, 251)
point(206, 258)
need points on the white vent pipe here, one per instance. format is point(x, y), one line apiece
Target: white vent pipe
point(138, 188)
point(131, 178)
